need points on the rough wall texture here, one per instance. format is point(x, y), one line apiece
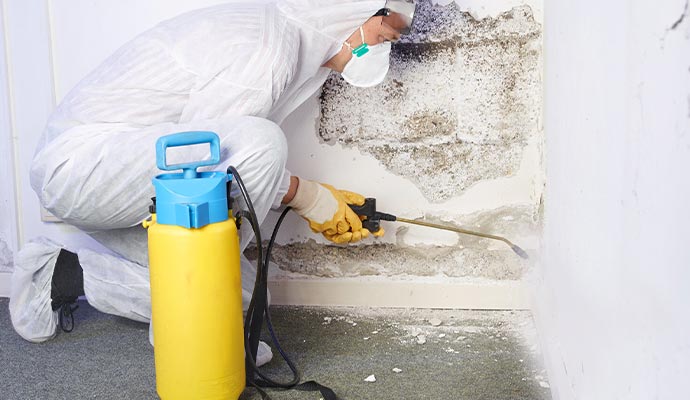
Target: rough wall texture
point(470, 257)
point(460, 105)
point(460, 101)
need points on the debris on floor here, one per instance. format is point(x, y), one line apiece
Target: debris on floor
point(474, 355)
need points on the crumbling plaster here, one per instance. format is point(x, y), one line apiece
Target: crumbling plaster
point(459, 104)
point(453, 135)
point(468, 257)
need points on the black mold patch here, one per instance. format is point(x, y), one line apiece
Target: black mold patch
point(462, 98)
point(407, 52)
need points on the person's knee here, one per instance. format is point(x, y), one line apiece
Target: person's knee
point(270, 141)
point(49, 175)
point(259, 142)
point(69, 182)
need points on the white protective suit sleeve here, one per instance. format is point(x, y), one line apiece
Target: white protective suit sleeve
point(231, 69)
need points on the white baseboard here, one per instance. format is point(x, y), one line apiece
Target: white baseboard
point(386, 292)
point(5, 284)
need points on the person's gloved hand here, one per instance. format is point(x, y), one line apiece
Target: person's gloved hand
point(326, 209)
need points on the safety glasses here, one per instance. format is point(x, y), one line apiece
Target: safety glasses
point(398, 14)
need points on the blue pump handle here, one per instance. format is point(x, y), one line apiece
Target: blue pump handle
point(186, 139)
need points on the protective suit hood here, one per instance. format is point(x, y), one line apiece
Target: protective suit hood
point(323, 27)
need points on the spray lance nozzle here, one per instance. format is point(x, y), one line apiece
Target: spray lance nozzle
point(372, 221)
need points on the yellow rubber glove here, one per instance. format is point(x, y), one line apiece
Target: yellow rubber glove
point(326, 210)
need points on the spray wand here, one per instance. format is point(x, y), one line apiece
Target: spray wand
point(372, 219)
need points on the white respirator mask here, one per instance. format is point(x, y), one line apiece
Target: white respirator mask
point(368, 65)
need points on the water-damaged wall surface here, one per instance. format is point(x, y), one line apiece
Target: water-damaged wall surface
point(458, 105)
point(457, 120)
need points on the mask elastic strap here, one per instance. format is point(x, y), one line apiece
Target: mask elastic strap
point(362, 49)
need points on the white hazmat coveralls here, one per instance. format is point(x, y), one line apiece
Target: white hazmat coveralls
point(235, 69)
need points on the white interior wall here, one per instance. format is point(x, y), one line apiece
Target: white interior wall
point(7, 200)
point(9, 235)
point(613, 282)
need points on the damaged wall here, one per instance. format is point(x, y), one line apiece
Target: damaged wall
point(473, 70)
point(460, 102)
point(453, 135)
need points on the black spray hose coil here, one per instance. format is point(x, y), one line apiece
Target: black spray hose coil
point(256, 312)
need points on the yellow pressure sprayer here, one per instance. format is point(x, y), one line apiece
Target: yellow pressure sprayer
point(196, 293)
point(202, 349)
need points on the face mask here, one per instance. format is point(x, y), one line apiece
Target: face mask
point(370, 69)
point(368, 65)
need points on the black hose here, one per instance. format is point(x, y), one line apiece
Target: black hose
point(256, 312)
point(253, 319)
point(269, 323)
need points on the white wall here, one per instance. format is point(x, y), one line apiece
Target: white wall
point(9, 236)
point(613, 298)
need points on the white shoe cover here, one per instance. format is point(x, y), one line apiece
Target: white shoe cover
point(263, 354)
point(30, 309)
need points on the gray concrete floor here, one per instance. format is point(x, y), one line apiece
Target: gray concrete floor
point(469, 355)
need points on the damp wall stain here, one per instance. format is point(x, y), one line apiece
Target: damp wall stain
point(460, 102)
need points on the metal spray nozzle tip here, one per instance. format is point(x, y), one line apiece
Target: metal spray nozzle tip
point(519, 251)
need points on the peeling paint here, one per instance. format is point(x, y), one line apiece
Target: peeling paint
point(460, 102)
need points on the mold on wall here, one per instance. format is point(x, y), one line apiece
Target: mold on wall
point(453, 135)
point(460, 102)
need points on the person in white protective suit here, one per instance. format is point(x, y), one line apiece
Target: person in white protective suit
point(235, 69)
